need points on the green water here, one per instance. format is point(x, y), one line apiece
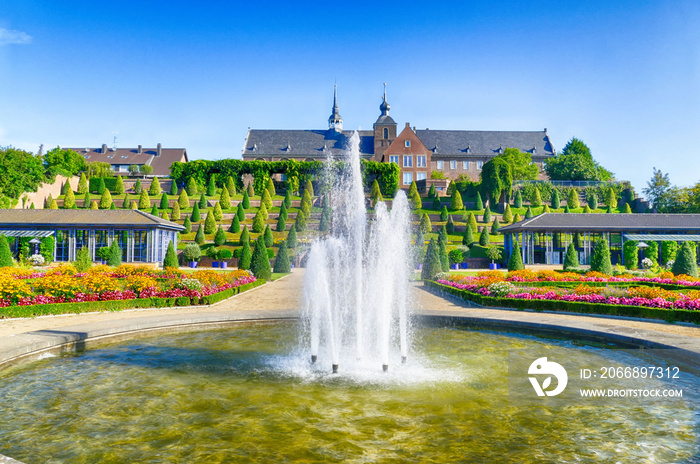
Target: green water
point(238, 396)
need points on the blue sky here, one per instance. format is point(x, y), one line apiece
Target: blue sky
point(624, 76)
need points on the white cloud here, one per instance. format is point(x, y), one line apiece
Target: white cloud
point(8, 36)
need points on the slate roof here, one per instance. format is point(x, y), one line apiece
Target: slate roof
point(161, 164)
point(607, 222)
point(82, 217)
point(303, 143)
point(466, 143)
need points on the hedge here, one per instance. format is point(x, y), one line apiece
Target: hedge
point(118, 305)
point(669, 315)
point(110, 183)
point(568, 284)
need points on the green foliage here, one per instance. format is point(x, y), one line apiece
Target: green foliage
point(269, 239)
point(203, 201)
point(431, 264)
point(575, 162)
point(270, 187)
point(5, 253)
point(246, 256)
point(97, 169)
point(105, 199)
point(631, 254)
point(211, 186)
point(235, 225)
point(164, 201)
point(260, 263)
point(245, 236)
point(479, 205)
point(444, 258)
point(471, 222)
point(611, 198)
point(210, 223)
point(93, 205)
point(82, 184)
point(196, 215)
point(376, 193)
point(609, 210)
point(586, 209)
point(282, 263)
point(507, 215)
point(442, 234)
point(155, 189)
point(266, 215)
point(450, 226)
point(230, 186)
point(627, 210)
point(259, 221)
point(432, 193)
point(567, 209)
point(113, 206)
point(521, 164)
point(170, 261)
point(287, 203)
point(686, 261)
point(556, 202)
point(53, 204)
point(101, 186)
point(220, 236)
point(192, 252)
point(300, 222)
point(593, 201)
point(600, 259)
point(191, 187)
point(546, 209)
point(251, 189)
point(425, 225)
point(528, 213)
point(103, 253)
point(652, 252)
point(437, 204)
point(176, 215)
point(218, 214)
point(443, 214)
point(69, 199)
point(515, 260)
point(266, 199)
point(225, 198)
point(468, 237)
point(115, 254)
point(414, 196)
point(199, 238)
point(154, 210)
point(571, 258)
point(495, 226)
point(487, 215)
point(66, 162)
point(246, 201)
point(456, 203)
point(324, 224)
point(572, 200)
point(668, 251)
point(240, 212)
point(283, 211)
point(173, 188)
point(146, 170)
point(455, 256)
point(437, 175)
point(658, 189)
point(188, 225)
point(496, 179)
point(292, 237)
point(83, 260)
point(137, 187)
point(518, 203)
point(144, 200)
point(119, 186)
point(536, 199)
point(484, 238)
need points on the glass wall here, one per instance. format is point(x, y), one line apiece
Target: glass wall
point(63, 245)
point(140, 245)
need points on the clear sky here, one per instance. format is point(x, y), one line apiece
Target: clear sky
point(623, 76)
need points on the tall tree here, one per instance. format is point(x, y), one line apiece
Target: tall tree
point(657, 189)
point(575, 162)
point(497, 179)
point(21, 172)
point(63, 161)
point(520, 163)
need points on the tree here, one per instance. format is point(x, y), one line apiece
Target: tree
point(425, 226)
point(260, 263)
point(210, 223)
point(154, 210)
point(571, 258)
point(657, 189)
point(231, 186)
point(496, 225)
point(176, 215)
point(600, 259)
point(432, 193)
point(484, 238)
point(593, 201)
point(82, 184)
point(146, 170)
point(203, 202)
point(517, 218)
point(191, 253)
point(292, 237)
point(572, 199)
point(375, 193)
point(83, 260)
point(300, 222)
point(586, 209)
point(211, 186)
point(515, 260)
point(259, 221)
point(246, 200)
point(456, 203)
point(235, 225)
point(218, 214)
point(627, 209)
point(96, 169)
point(244, 237)
point(631, 254)
point(414, 196)
point(450, 226)
point(266, 215)
point(115, 254)
point(536, 198)
point(164, 204)
point(127, 201)
point(471, 222)
point(282, 263)
point(444, 257)
point(69, 199)
point(266, 199)
point(443, 214)
point(246, 256)
point(105, 199)
point(431, 264)
point(528, 213)
point(685, 263)
point(270, 188)
point(170, 261)
point(567, 209)
point(324, 224)
point(137, 187)
point(494, 253)
point(669, 249)
point(119, 187)
point(479, 204)
point(5, 253)
point(309, 187)
point(220, 237)
point(134, 169)
point(487, 215)
point(173, 188)
point(610, 198)
point(225, 198)
point(518, 202)
point(468, 238)
point(144, 200)
point(437, 204)
point(188, 225)
point(251, 190)
point(191, 187)
point(455, 256)
point(545, 208)
point(287, 199)
point(507, 215)
point(283, 211)
point(154, 189)
point(652, 252)
point(556, 202)
point(196, 216)
point(575, 162)
point(497, 179)
point(93, 205)
point(240, 212)
point(521, 164)
point(66, 162)
point(199, 237)
point(101, 186)
point(442, 234)
point(269, 239)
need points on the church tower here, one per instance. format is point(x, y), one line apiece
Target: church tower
point(384, 130)
point(335, 122)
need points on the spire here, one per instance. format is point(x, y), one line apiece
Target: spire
point(335, 122)
point(384, 107)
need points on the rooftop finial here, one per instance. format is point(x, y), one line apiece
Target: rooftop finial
point(335, 121)
point(384, 107)
point(385, 91)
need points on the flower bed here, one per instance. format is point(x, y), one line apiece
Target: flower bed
point(63, 290)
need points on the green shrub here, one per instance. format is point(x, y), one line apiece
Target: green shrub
point(259, 222)
point(196, 216)
point(83, 260)
point(287, 199)
point(431, 264)
point(115, 254)
point(154, 210)
point(218, 214)
point(450, 226)
point(309, 187)
point(479, 202)
point(101, 186)
point(517, 218)
point(375, 193)
point(686, 261)
point(269, 239)
point(468, 238)
point(225, 198)
point(593, 201)
point(425, 225)
point(246, 256)
point(437, 205)
point(456, 204)
point(211, 186)
point(46, 248)
point(600, 259)
point(155, 189)
point(442, 235)
point(300, 222)
point(203, 202)
point(199, 238)
point(224, 254)
point(484, 238)
point(231, 186)
point(571, 258)
point(282, 263)
point(82, 184)
point(105, 199)
point(175, 214)
point(572, 200)
point(191, 253)
point(5, 253)
point(69, 199)
point(444, 258)
point(471, 222)
point(631, 254)
point(235, 225)
point(518, 202)
point(245, 236)
point(184, 199)
point(220, 237)
point(528, 213)
point(266, 199)
point(260, 263)
point(668, 251)
point(144, 200)
point(628, 209)
point(536, 199)
point(414, 196)
point(507, 215)
point(455, 256)
point(164, 201)
point(210, 223)
point(292, 237)
point(652, 252)
point(556, 202)
point(443, 214)
point(611, 198)
point(325, 220)
point(103, 253)
point(137, 186)
point(246, 200)
point(188, 225)
point(173, 188)
point(170, 261)
point(515, 260)
point(495, 227)
point(432, 193)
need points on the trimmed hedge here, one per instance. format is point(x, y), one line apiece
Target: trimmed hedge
point(118, 305)
point(669, 315)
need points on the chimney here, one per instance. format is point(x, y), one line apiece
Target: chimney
point(104, 148)
point(140, 149)
point(159, 149)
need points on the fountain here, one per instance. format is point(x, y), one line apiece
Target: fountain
point(355, 308)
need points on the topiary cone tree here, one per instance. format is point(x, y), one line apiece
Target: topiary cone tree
point(269, 239)
point(571, 258)
point(484, 238)
point(5, 253)
point(210, 223)
point(246, 255)
point(292, 237)
point(425, 225)
point(154, 189)
point(468, 238)
point(556, 202)
point(431, 264)
point(199, 237)
point(170, 261)
point(515, 260)
point(183, 200)
point(246, 200)
point(220, 237)
point(260, 263)
point(600, 259)
point(115, 254)
point(456, 203)
point(235, 225)
point(375, 193)
point(518, 202)
point(479, 202)
point(686, 261)
point(282, 263)
point(196, 216)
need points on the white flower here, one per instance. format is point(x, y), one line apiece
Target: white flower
point(502, 288)
point(37, 260)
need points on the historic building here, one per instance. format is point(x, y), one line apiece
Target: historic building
point(159, 158)
point(417, 152)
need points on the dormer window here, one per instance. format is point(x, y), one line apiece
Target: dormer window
point(534, 150)
point(468, 150)
point(407, 144)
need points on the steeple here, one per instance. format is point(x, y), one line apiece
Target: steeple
point(384, 129)
point(335, 122)
point(384, 107)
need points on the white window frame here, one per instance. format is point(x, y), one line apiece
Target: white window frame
point(421, 161)
point(407, 143)
point(408, 161)
point(394, 159)
point(479, 165)
point(453, 164)
point(465, 165)
point(439, 165)
point(407, 178)
point(421, 176)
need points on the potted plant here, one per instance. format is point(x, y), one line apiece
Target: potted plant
point(224, 254)
point(494, 254)
point(103, 253)
point(213, 253)
point(191, 254)
point(456, 257)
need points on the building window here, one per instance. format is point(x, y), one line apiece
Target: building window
point(479, 165)
point(453, 164)
point(386, 133)
point(62, 245)
point(465, 165)
point(421, 176)
point(407, 178)
point(140, 245)
point(408, 161)
point(420, 161)
point(122, 238)
point(439, 165)
point(394, 159)
point(407, 143)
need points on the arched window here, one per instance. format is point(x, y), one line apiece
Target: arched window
point(386, 133)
